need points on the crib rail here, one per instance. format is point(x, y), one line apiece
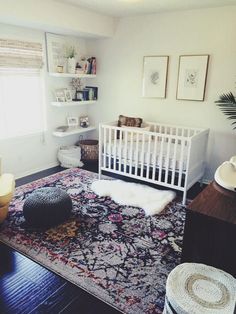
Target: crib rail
point(160, 156)
point(182, 131)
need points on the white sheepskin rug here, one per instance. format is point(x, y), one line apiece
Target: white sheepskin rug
point(132, 194)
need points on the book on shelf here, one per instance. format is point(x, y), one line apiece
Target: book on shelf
point(92, 92)
point(90, 66)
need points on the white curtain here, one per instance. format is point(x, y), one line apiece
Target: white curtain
point(21, 89)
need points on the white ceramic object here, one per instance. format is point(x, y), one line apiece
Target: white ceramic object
point(71, 65)
point(233, 160)
point(225, 174)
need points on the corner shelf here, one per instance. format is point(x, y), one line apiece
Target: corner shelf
point(71, 75)
point(73, 131)
point(72, 103)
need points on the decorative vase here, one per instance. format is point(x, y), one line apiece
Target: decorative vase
point(71, 65)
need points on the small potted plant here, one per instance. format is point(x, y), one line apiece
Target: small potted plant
point(70, 55)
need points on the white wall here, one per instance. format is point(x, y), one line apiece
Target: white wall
point(53, 16)
point(205, 31)
point(29, 154)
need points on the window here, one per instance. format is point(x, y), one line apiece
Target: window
point(21, 92)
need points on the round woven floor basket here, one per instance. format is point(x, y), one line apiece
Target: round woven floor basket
point(89, 149)
point(199, 289)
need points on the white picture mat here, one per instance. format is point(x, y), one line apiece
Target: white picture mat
point(72, 121)
point(192, 77)
point(154, 76)
point(57, 46)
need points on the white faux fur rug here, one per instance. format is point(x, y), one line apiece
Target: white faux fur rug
point(133, 194)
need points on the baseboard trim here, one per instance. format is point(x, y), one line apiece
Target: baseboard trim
point(33, 171)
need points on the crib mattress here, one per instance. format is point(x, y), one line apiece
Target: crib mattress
point(131, 154)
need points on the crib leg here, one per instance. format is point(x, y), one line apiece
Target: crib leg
point(201, 182)
point(184, 197)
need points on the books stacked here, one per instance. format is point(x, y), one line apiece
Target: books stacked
point(90, 66)
point(90, 93)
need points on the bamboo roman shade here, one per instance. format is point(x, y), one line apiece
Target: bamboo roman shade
point(20, 54)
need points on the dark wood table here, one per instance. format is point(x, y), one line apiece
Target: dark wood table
point(210, 229)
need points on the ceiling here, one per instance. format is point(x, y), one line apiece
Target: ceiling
point(122, 8)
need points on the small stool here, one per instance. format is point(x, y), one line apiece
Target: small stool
point(199, 289)
point(47, 207)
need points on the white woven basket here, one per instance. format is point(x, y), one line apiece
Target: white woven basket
point(70, 156)
point(199, 289)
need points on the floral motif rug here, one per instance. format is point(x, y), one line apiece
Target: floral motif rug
point(114, 252)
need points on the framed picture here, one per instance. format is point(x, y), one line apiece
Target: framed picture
point(79, 95)
point(192, 77)
point(68, 96)
point(84, 121)
point(56, 50)
point(155, 70)
point(72, 121)
point(60, 95)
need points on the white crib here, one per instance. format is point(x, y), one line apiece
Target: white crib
point(167, 155)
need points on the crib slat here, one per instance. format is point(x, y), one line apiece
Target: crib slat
point(110, 147)
point(115, 149)
point(131, 152)
point(174, 162)
point(120, 149)
point(104, 146)
point(136, 153)
point(100, 152)
point(188, 133)
point(167, 162)
point(148, 159)
point(125, 152)
point(142, 156)
point(160, 159)
point(154, 158)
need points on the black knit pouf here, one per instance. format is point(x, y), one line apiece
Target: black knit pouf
point(47, 207)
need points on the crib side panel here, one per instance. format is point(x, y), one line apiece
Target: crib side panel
point(152, 157)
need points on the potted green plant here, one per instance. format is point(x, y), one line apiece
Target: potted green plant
point(70, 55)
point(227, 104)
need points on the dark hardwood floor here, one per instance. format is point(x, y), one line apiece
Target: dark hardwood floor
point(26, 287)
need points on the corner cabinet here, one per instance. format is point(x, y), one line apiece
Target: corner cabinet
point(64, 104)
point(210, 229)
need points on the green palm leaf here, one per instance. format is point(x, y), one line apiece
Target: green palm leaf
point(227, 104)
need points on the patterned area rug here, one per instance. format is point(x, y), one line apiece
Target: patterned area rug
point(113, 252)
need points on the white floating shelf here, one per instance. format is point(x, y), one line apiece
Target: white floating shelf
point(73, 131)
point(73, 103)
point(80, 75)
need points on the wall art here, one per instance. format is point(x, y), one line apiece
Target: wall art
point(192, 77)
point(155, 70)
point(72, 121)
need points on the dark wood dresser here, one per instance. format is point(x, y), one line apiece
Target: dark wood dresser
point(210, 229)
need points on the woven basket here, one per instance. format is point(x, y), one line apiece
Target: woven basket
point(200, 289)
point(89, 149)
